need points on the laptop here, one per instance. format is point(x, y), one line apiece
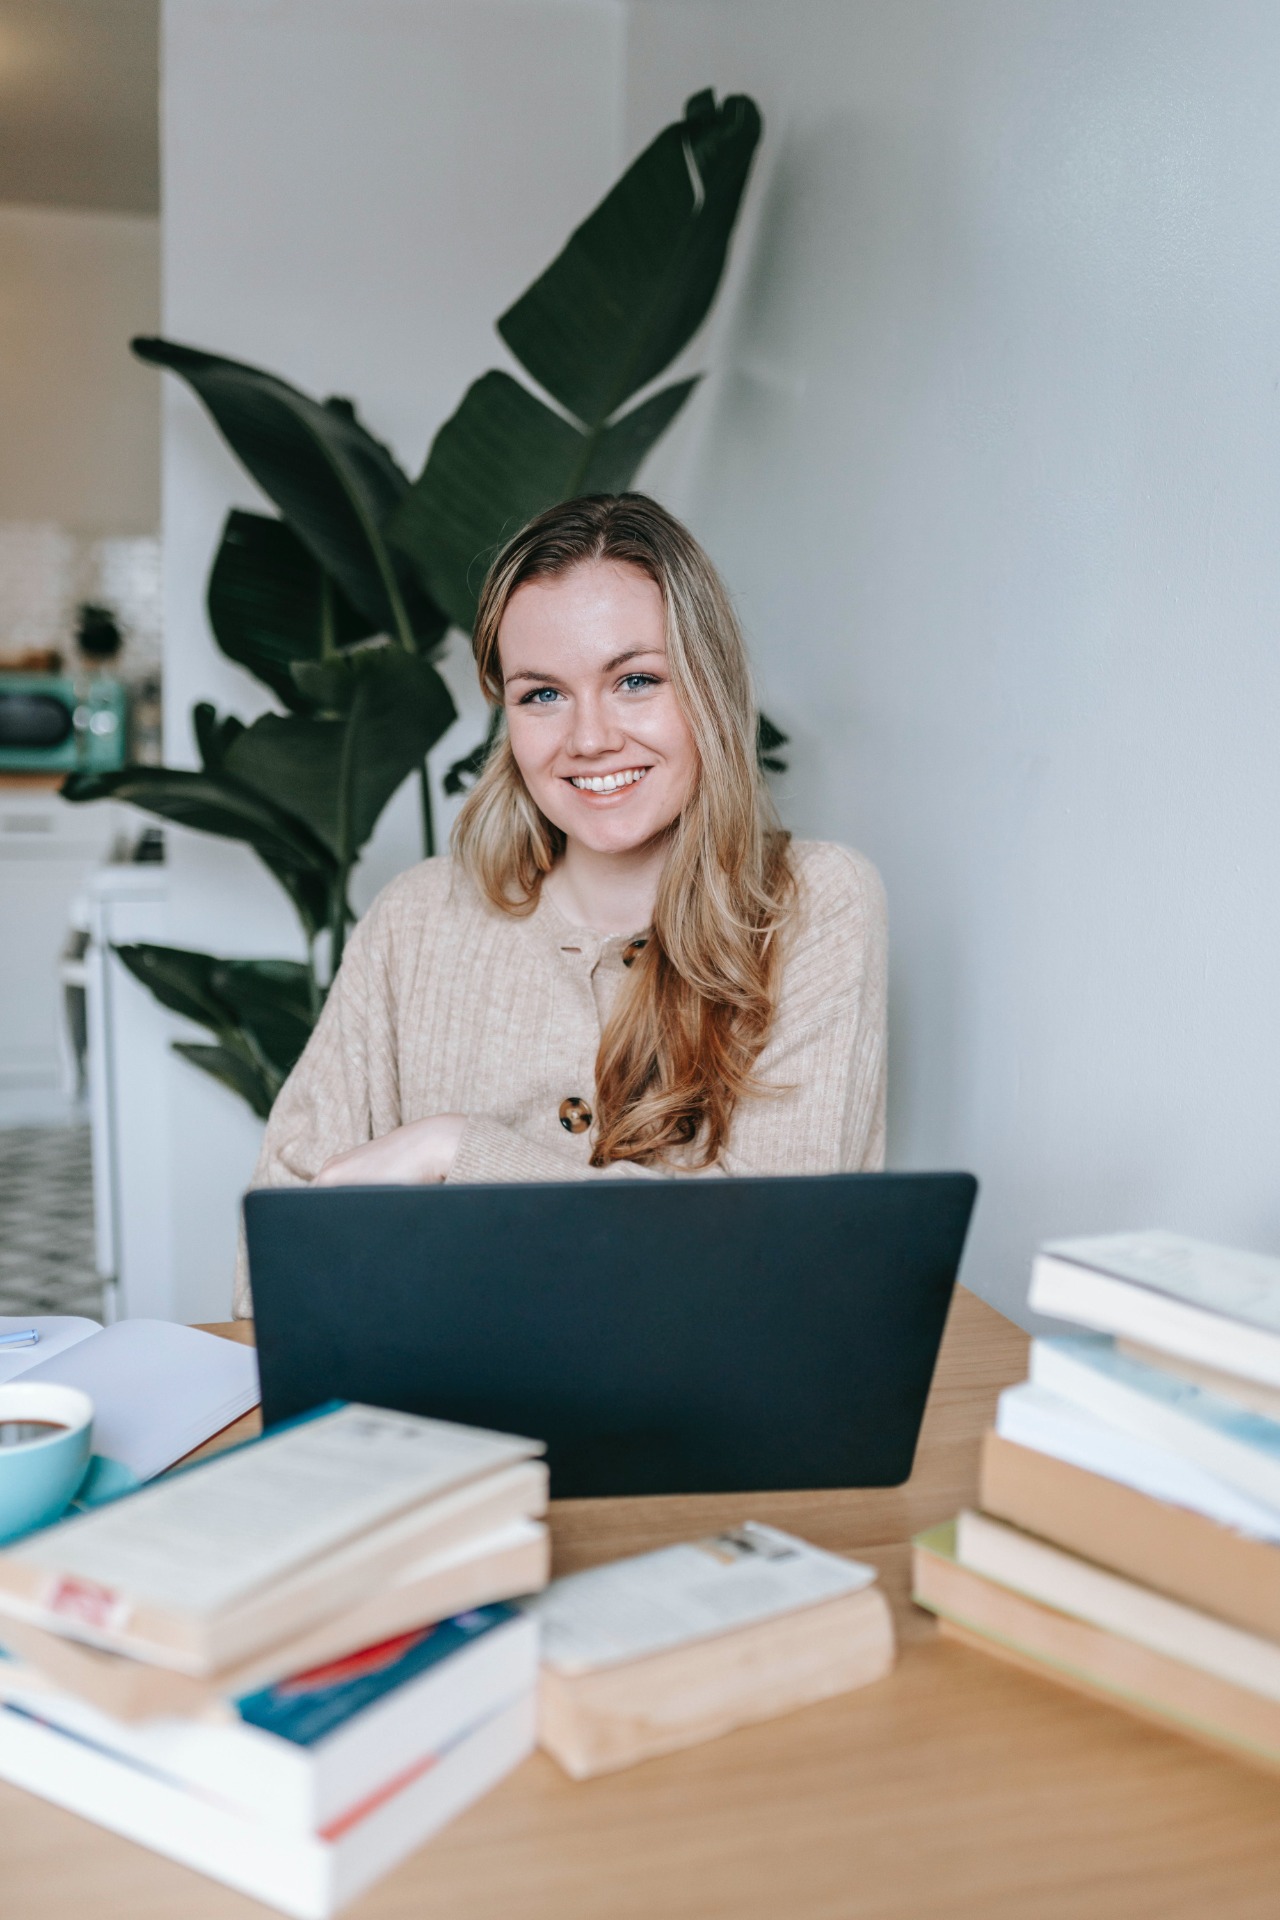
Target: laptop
point(662, 1336)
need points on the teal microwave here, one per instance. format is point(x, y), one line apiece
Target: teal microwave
point(52, 725)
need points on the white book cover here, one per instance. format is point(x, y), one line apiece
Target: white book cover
point(309, 1876)
point(1203, 1304)
point(1244, 1286)
point(299, 1753)
point(200, 1541)
point(1032, 1417)
point(654, 1601)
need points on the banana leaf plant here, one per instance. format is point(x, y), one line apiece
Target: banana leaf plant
point(341, 604)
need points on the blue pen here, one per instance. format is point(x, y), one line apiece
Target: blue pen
point(27, 1338)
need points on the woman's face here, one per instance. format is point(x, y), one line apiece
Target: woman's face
point(594, 726)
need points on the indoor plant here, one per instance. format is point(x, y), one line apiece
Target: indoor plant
point(341, 604)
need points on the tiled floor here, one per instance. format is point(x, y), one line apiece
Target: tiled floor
point(46, 1222)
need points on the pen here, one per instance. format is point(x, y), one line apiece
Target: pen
point(28, 1337)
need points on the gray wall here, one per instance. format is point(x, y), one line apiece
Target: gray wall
point(993, 467)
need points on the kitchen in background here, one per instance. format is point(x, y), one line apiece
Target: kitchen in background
point(80, 636)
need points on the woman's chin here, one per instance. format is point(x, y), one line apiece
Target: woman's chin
point(607, 833)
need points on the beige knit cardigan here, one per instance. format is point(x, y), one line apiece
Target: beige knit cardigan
point(444, 1004)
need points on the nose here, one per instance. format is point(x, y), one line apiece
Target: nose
point(595, 730)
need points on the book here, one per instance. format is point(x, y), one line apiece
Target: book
point(665, 1649)
point(1229, 1441)
point(253, 1545)
point(1245, 1393)
point(1042, 1421)
point(1168, 1547)
point(1075, 1653)
point(158, 1390)
point(307, 1875)
point(512, 1560)
point(1209, 1304)
point(1071, 1585)
point(301, 1752)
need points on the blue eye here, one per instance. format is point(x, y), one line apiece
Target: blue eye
point(540, 696)
point(637, 682)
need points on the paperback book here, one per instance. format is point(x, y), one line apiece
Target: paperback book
point(659, 1651)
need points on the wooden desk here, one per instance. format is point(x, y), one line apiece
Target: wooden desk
point(957, 1789)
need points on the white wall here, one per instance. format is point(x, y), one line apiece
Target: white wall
point(992, 461)
point(994, 470)
point(81, 435)
point(353, 191)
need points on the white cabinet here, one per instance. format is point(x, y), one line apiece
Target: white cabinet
point(172, 1149)
point(47, 850)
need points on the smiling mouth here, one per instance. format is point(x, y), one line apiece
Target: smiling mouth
point(607, 782)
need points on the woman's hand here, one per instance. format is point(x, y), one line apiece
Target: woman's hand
point(415, 1155)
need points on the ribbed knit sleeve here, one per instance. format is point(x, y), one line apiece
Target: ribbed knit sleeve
point(444, 1004)
point(343, 1090)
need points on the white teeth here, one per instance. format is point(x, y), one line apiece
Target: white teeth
point(607, 782)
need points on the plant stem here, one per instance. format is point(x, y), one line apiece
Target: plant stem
point(338, 902)
point(328, 632)
point(428, 823)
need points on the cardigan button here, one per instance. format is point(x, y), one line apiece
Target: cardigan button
point(575, 1116)
point(632, 951)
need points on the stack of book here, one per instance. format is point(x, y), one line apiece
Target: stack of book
point(290, 1664)
point(1128, 1542)
point(657, 1652)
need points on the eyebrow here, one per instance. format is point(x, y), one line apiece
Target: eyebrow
point(610, 666)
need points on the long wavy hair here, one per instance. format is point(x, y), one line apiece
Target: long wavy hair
point(679, 1049)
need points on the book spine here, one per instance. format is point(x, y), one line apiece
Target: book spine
point(1077, 1654)
point(1107, 1304)
point(1168, 1547)
point(1061, 1580)
point(288, 1873)
point(300, 1788)
point(1060, 1368)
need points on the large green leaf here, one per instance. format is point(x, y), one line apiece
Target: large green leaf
point(501, 458)
point(213, 734)
point(260, 1012)
point(272, 1003)
point(635, 281)
point(334, 483)
point(271, 604)
point(246, 1078)
point(626, 294)
point(212, 804)
point(181, 980)
point(338, 773)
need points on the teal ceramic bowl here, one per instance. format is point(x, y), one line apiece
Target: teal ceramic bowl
point(39, 1476)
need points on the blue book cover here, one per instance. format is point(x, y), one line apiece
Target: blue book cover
point(1169, 1390)
point(306, 1707)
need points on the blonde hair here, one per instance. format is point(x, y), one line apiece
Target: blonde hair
point(678, 1051)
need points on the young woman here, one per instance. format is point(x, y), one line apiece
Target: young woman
point(625, 969)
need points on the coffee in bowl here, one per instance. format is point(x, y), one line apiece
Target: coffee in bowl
point(20, 1433)
point(45, 1442)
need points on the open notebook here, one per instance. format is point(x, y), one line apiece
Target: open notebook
point(158, 1389)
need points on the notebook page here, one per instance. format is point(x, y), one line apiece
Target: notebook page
point(57, 1331)
point(158, 1389)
